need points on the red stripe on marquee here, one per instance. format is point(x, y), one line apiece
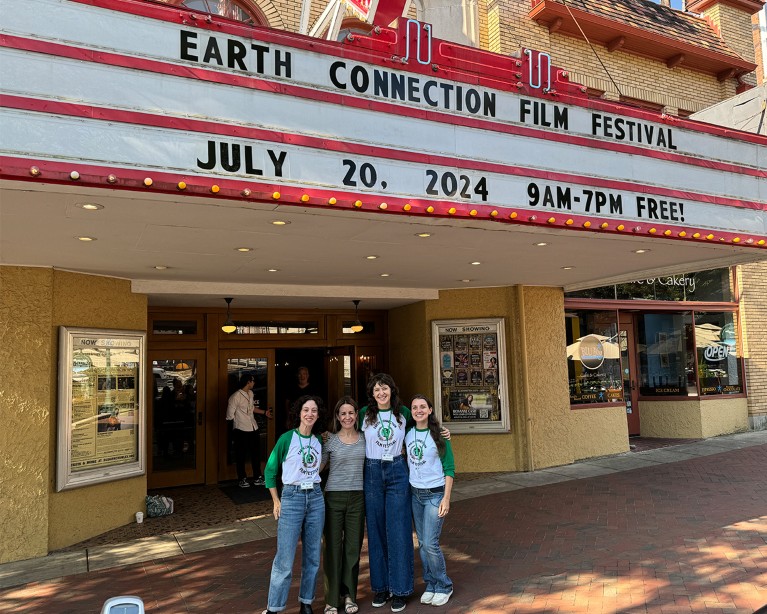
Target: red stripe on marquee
point(231, 188)
point(212, 76)
point(242, 132)
point(177, 14)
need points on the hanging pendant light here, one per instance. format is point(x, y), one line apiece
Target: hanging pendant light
point(357, 326)
point(228, 326)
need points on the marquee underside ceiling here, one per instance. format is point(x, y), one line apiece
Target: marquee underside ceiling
point(320, 255)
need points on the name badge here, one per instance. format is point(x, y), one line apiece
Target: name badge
point(307, 485)
point(387, 457)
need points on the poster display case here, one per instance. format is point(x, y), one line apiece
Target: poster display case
point(470, 377)
point(101, 406)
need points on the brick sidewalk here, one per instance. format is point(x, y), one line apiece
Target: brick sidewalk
point(688, 536)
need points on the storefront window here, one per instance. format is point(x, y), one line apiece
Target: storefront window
point(666, 355)
point(593, 357)
point(719, 366)
point(704, 286)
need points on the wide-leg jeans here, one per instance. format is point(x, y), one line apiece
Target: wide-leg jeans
point(302, 515)
point(428, 526)
point(390, 526)
point(344, 531)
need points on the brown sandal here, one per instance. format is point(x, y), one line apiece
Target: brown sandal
point(329, 609)
point(349, 606)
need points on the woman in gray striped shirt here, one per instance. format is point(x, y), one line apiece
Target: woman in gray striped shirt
point(344, 508)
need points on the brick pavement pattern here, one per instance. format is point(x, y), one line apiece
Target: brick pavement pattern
point(689, 536)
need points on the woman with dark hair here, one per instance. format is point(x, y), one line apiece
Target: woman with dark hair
point(387, 494)
point(344, 451)
point(300, 511)
point(432, 470)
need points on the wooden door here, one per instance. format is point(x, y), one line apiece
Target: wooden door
point(232, 365)
point(629, 370)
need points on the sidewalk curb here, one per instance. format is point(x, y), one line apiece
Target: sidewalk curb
point(64, 564)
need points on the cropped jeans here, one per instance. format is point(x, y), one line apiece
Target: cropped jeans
point(390, 526)
point(428, 526)
point(302, 515)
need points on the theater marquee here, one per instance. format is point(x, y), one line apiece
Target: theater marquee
point(146, 97)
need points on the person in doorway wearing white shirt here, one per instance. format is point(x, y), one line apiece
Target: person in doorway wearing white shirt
point(245, 432)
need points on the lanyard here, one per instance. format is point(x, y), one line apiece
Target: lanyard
point(386, 431)
point(306, 456)
point(420, 446)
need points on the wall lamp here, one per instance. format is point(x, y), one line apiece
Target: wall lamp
point(228, 326)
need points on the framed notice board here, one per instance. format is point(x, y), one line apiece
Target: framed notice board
point(470, 378)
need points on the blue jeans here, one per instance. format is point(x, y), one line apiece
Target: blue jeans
point(302, 514)
point(390, 526)
point(428, 526)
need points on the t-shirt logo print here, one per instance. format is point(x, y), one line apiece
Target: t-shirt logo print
point(384, 433)
point(308, 458)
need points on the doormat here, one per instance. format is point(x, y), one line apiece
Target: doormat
point(241, 496)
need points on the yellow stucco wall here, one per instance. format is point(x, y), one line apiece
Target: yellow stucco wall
point(694, 418)
point(721, 416)
point(34, 302)
point(97, 302)
point(598, 432)
point(675, 419)
point(25, 410)
point(535, 342)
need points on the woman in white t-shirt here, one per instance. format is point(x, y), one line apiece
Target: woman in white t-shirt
point(387, 494)
point(300, 511)
point(432, 470)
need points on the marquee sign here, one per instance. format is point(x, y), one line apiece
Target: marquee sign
point(149, 91)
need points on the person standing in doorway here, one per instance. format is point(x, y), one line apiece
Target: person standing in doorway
point(241, 410)
point(301, 387)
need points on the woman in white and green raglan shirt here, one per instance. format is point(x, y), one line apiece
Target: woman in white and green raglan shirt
point(300, 511)
point(432, 470)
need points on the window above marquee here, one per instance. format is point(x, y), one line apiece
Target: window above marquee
point(237, 10)
point(644, 28)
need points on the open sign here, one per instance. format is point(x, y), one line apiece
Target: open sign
point(715, 353)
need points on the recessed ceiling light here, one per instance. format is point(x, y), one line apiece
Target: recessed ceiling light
point(384, 274)
point(541, 244)
point(466, 281)
point(641, 251)
point(423, 235)
point(371, 257)
point(85, 239)
point(273, 270)
point(280, 222)
point(567, 268)
point(90, 206)
point(160, 267)
point(475, 263)
point(244, 249)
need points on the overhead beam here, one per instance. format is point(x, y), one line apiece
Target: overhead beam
point(729, 73)
point(555, 25)
point(616, 43)
point(675, 61)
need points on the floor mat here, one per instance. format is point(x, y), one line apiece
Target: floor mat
point(642, 444)
point(241, 496)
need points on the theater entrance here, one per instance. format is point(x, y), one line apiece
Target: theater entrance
point(196, 368)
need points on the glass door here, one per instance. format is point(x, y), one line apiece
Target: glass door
point(629, 370)
point(177, 418)
point(233, 364)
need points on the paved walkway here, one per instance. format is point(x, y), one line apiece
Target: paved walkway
point(680, 529)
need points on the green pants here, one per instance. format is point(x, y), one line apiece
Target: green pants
point(344, 530)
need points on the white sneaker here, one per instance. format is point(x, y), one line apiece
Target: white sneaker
point(441, 598)
point(259, 482)
point(244, 484)
point(427, 597)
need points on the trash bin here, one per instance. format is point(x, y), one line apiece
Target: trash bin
point(126, 604)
